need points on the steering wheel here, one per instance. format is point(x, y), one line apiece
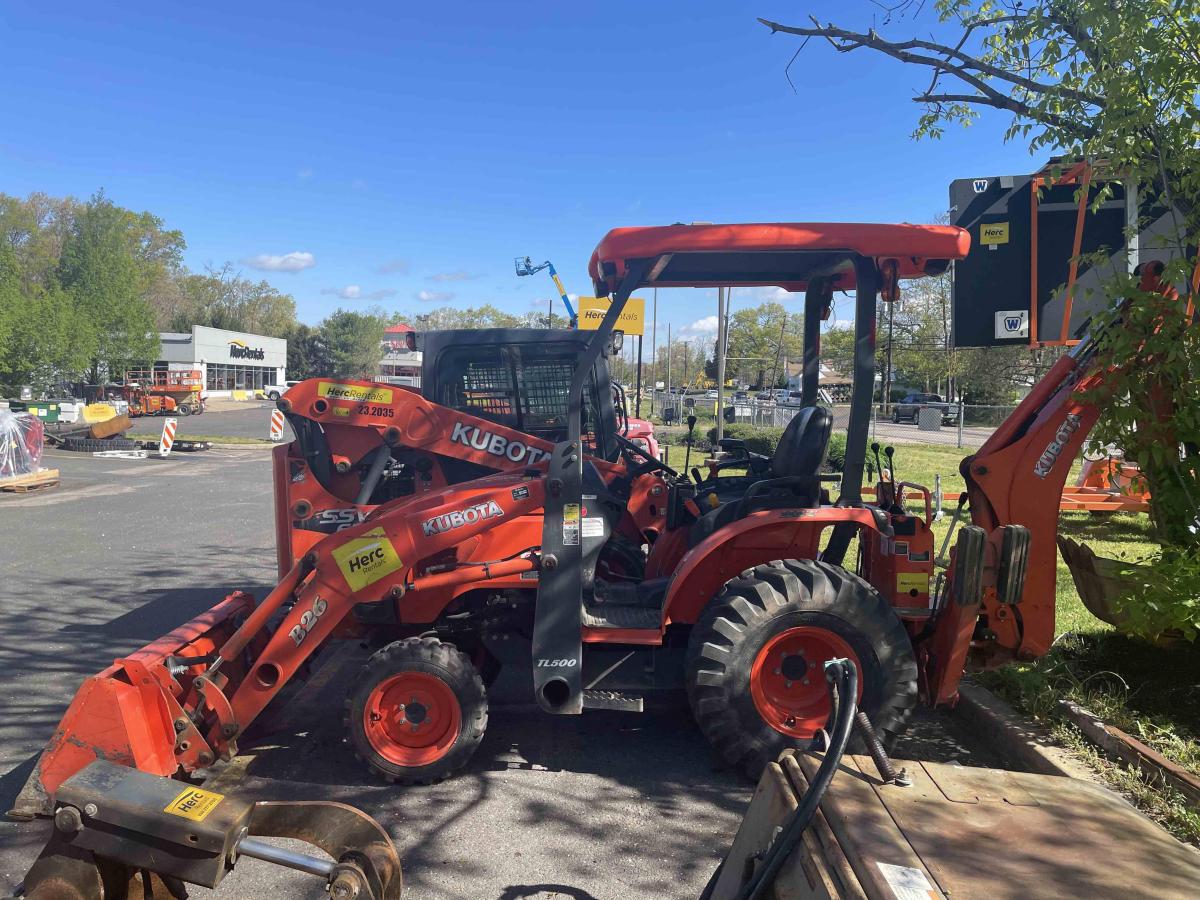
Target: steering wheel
point(651, 464)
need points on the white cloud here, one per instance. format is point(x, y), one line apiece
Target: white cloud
point(355, 292)
point(701, 328)
point(452, 276)
point(295, 261)
point(434, 296)
point(393, 267)
point(349, 292)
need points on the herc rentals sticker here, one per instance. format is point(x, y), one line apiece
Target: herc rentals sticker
point(194, 804)
point(364, 560)
point(359, 393)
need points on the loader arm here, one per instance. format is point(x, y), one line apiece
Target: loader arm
point(181, 703)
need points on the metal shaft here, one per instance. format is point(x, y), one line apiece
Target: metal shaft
point(256, 849)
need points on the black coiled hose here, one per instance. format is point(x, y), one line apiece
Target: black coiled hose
point(842, 676)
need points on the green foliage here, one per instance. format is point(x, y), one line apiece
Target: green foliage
point(1163, 594)
point(103, 268)
point(350, 343)
point(837, 451)
point(305, 352)
point(758, 440)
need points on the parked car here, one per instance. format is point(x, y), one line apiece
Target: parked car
point(908, 408)
point(741, 396)
point(710, 395)
point(275, 391)
point(792, 398)
point(765, 397)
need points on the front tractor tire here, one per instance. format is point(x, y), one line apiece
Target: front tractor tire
point(755, 676)
point(417, 712)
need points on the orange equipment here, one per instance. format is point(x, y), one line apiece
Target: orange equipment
point(741, 602)
point(155, 392)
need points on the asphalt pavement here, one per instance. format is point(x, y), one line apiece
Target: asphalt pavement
point(224, 418)
point(598, 806)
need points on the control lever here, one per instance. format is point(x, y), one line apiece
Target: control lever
point(691, 423)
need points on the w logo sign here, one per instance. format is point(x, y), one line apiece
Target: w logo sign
point(1012, 323)
point(980, 185)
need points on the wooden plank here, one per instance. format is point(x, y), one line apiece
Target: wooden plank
point(23, 484)
point(1125, 747)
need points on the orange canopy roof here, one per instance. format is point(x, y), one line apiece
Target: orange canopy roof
point(783, 254)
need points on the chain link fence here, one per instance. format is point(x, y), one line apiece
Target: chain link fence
point(954, 425)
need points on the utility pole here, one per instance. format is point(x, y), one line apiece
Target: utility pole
point(670, 396)
point(778, 350)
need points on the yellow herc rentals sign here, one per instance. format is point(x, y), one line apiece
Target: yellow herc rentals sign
point(633, 316)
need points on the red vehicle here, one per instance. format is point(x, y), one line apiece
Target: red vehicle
point(600, 570)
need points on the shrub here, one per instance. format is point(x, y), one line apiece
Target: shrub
point(837, 451)
point(758, 440)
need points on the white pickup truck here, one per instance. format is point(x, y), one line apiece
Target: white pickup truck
point(275, 391)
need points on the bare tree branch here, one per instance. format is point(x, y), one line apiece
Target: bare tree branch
point(845, 41)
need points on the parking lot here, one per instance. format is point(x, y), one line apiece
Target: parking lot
point(603, 805)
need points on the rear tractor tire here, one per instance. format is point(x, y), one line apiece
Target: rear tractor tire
point(417, 712)
point(755, 675)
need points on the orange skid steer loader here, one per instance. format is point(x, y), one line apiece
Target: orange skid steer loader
point(736, 601)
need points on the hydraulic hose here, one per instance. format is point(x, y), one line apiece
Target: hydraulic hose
point(843, 674)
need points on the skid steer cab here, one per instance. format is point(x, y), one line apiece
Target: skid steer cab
point(489, 400)
point(594, 570)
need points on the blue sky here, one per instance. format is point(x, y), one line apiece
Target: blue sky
point(402, 154)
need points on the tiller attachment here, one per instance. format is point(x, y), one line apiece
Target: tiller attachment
point(121, 834)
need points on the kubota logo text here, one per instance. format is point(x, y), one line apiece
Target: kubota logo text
point(1046, 461)
point(461, 517)
point(495, 444)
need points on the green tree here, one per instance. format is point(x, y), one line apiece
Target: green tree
point(305, 352)
point(101, 271)
point(351, 343)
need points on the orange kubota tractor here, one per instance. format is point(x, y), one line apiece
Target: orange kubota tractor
point(740, 601)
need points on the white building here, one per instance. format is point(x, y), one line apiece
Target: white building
point(229, 360)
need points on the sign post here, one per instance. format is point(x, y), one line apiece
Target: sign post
point(276, 425)
point(168, 437)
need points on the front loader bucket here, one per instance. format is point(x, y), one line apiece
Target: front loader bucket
point(134, 712)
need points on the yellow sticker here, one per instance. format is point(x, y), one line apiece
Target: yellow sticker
point(912, 581)
point(341, 411)
point(570, 513)
point(993, 233)
point(364, 560)
point(359, 393)
point(194, 804)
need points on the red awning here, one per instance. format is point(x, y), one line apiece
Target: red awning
point(783, 254)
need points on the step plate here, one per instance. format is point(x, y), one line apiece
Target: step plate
point(612, 700)
point(613, 616)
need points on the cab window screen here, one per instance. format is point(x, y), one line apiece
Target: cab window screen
point(522, 386)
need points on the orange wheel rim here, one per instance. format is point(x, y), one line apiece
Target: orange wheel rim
point(787, 680)
point(412, 719)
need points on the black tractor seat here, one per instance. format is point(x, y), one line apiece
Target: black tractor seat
point(793, 480)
